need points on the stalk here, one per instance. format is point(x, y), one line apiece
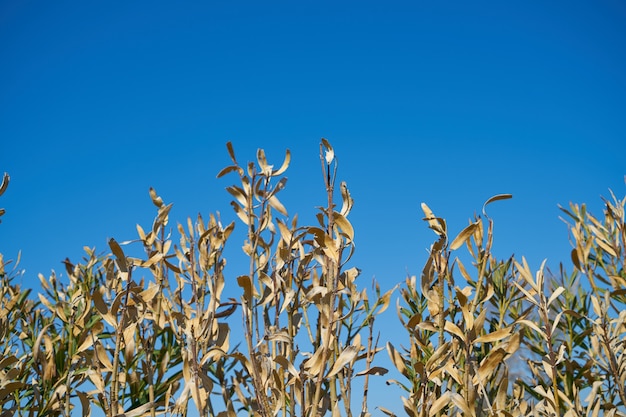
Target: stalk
point(332, 277)
point(113, 411)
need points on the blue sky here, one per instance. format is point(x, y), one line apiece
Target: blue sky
point(446, 103)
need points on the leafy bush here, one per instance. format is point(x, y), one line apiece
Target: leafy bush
point(153, 334)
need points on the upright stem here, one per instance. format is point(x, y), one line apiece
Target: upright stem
point(119, 334)
point(370, 357)
point(247, 309)
point(332, 277)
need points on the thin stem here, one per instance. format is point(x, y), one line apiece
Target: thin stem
point(332, 277)
point(118, 344)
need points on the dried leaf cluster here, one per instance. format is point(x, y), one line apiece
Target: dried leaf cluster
point(155, 335)
point(499, 340)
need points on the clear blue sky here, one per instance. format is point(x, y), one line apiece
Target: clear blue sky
point(443, 102)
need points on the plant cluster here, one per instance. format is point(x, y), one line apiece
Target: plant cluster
point(155, 335)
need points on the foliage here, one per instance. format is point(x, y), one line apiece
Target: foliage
point(153, 334)
point(466, 343)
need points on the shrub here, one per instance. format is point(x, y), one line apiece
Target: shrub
point(153, 334)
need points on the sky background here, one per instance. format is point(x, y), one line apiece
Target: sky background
point(446, 103)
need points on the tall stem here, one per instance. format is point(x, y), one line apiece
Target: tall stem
point(119, 334)
point(331, 272)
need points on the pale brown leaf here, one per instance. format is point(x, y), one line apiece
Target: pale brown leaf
point(85, 403)
point(455, 330)
point(285, 164)
point(397, 360)
point(344, 358)
point(463, 236)
point(231, 152)
point(329, 154)
point(277, 205)
point(156, 200)
point(5, 183)
point(494, 336)
point(375, 370)
point(490, 363)
point(344, 225)
point(495, 198)
point(435, 223)
point(439, 403)
point(245, 283)
point(119, 255)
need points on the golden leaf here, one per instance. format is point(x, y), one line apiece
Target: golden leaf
point(5, 183)
point(156, 200)
point(97, 381)
point(315, 363)
point(437, 224)
point(98, 301)
point(555, 295)
point(103, 357)
point(277, 205)
point(240, 213)
point(439, 403)
point(463, 236)
point(461, 403)
point(84, 402)
point(148, 294)
point(375, 370)
point(119, 255)
point(329, 155)
point(455, 330)
point(139, 411)
point(347, 201)
point(142, 234)
point(530, 324)
point(266, 169)
point(245, 283)
point(228, 169)
point(494, 336)
point(285, 164)
point(496, 198)
point(397, 359)
point(344, 225)
point(231, 151)
point(90, 339)
point(384, 300)
point(605, 246)
point(287, 365)
point(441, 354)
point(147, 264)
point(344, 358)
